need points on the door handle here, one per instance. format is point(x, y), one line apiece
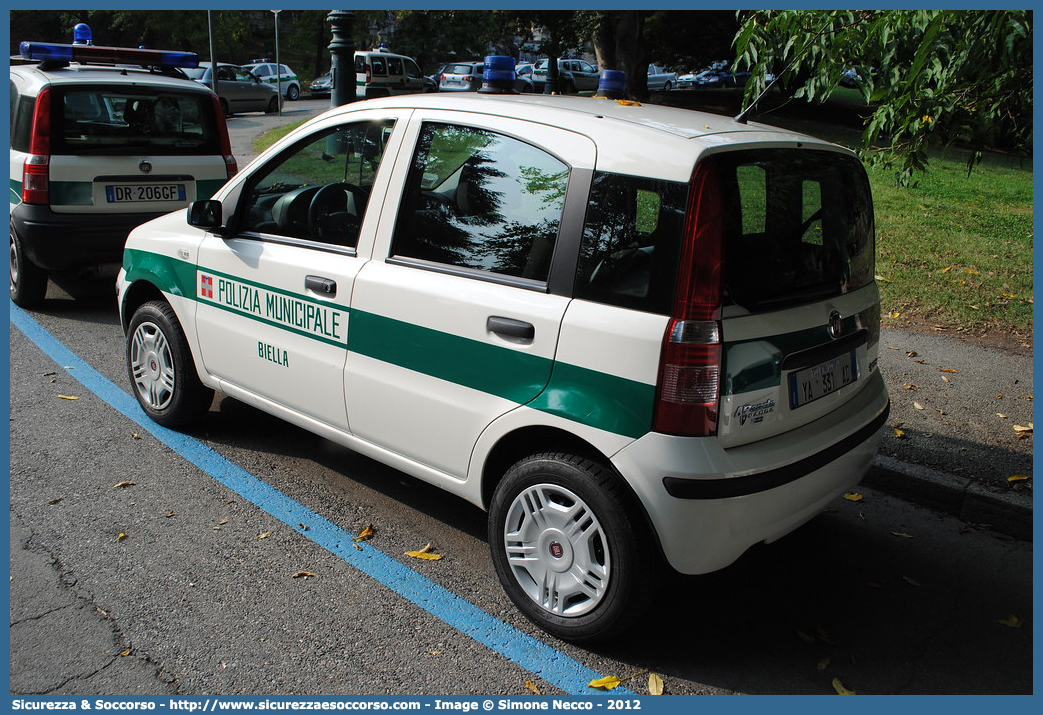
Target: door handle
point(511, 329)
point(318, 284)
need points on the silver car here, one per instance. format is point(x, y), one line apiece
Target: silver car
point(239, 90)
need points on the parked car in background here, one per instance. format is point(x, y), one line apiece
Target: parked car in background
point(574, 76)
point(461, 76)
point(322, 86)
point(713, 77)
point(523, 81)
point(661, 79)
point(97, 149)
point(380, 73)
point(278, 76)
point(238, 88)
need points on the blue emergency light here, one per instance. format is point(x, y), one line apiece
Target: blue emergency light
point(498, 75)
point(81, 34)
point(92, 54)
point(612, 84)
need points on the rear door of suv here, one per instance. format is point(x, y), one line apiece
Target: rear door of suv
point(455, 321)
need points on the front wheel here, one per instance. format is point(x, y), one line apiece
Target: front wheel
point(161, 369)
point(570, 547)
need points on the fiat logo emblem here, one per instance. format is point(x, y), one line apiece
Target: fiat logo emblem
point(145, 166)
point(556, 550)
point(836, 325)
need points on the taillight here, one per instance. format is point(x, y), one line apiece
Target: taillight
point(369, 73)
point(231, 167)
point(36, 184)
point(689, 387)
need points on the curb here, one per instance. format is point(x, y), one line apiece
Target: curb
point(1004, 512)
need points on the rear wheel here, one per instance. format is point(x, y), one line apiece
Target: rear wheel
point(570, 547)
point(161, 369)
point(273, 106)
point(293, 93)
point(28, 280)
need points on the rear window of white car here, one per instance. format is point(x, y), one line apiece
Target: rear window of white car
point(118, 119)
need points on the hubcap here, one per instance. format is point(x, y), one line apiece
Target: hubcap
point(14, 263)
point(152, 365)
point(557, 550)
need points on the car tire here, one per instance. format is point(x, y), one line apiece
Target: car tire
point(161, 369)
point(293, 93)
point(667, 87)
point(570, 87)
point(224, 107)
point(28, 280)
point(273, 105)
point(602, 576)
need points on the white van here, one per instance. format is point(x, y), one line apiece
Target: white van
point(379, 73)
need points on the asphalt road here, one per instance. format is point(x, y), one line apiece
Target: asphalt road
point(204, 594)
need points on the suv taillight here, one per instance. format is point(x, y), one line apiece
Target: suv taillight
point(231, 167)
point(36, 185)
point(688, 390)
point(369, 73)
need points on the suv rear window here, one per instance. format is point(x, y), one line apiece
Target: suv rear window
point(125, 119)
point(798, 227)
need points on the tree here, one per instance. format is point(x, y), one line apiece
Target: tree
point(930, 76)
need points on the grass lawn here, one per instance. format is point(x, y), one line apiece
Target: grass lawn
point(953, 251)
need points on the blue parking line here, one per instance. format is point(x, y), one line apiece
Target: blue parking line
point(525, 651)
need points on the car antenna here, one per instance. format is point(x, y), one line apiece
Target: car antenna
point(741, 116)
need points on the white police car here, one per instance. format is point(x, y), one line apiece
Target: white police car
point(636, 335)
point(103, 139)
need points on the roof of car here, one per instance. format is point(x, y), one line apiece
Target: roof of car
point(75, 73)
point(645, 139)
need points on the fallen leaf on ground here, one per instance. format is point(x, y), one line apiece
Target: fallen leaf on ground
point(223, 521)
point(1001, 415)
point(127, 652)
point(67, 397)
point(170, 514)
point(121, 536)
point(1023, 428)
point(425, 554)
point(901, 534)
point(304, 527)
point(304, 574)
point(655, 684)
point(853, 496)
point(1017, 478)
point(54, 501)
point(917, 405)
point(364, 534)
point(532, 687)
point(899, 434)
point(123, 485)
point(841, 690)
point(606, 683)
point(135, 435)
point(946, 369)
point(265, 535)
point(911, 353)
point(1012, 622)
point(946, 380)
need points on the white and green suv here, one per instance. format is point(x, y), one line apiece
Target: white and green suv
point(640, 337)
point(103, 139)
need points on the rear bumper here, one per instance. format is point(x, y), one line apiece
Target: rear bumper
point(708, 504)
point(57, 241)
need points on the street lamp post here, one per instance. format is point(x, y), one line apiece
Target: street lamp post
point(342, 48)
point(278, 67)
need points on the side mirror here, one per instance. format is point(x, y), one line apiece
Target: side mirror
point(205, 214)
